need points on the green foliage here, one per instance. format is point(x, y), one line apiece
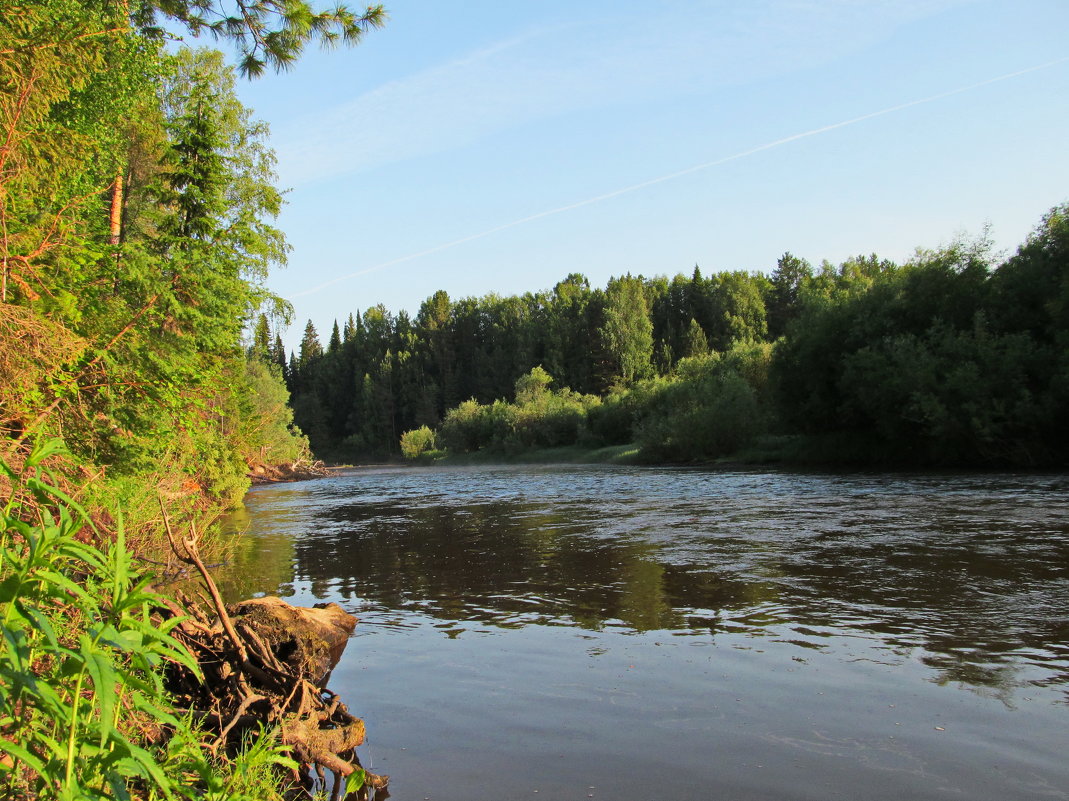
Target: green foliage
point(612, 422)
point(69, 79)
point(947, 359)
point(553, 420)
point(141, 366)
point(266, 32)
point(311, 349)
point(267, 434)
point(82, 697)
point(784, 300)
point(736, 309)
point(533, 387)
point(948, 396)
point(417, 442)
point(122, 333)
point(941, 361)
point(252, 775)
point(469, 427)
point(712, 407)
point(627, 333)
point(540, 418)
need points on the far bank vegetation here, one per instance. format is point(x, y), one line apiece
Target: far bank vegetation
point(954, 358)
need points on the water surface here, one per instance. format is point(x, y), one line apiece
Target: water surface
point(650, 633)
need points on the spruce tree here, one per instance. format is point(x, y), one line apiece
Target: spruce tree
point(261, 340)
point(311, 350)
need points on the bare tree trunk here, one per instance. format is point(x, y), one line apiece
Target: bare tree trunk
point(116, 211)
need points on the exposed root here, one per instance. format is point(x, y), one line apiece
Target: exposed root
point(300, 470)
point(264, 663)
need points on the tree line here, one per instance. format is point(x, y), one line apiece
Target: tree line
point(955, 357)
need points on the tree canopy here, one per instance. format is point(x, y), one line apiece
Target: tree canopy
point(949, 358)
point(137, 206)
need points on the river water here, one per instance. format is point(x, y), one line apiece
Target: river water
point(658, 633)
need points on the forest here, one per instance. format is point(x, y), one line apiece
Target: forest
point(955, 358)
point(137, 208)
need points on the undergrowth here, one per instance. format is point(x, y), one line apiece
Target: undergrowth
point(83, 710)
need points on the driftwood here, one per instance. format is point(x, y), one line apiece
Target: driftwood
point(265, 663)
point(302, 469)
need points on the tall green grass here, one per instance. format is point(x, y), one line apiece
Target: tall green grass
point(83, 710)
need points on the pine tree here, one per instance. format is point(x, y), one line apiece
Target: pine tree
point(695, 343)
point(784, 302)
point(293, 374)
point(265, 33)
point(278, 355)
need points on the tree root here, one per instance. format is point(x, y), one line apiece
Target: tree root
point(251, 679)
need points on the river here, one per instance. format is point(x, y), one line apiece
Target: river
point(663, 633)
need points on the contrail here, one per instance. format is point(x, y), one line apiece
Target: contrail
point(680, 173)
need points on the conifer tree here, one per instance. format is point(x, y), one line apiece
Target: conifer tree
point(784, 303)
point(278, 354)
point(695, 343)
point(266, 32)
point(311, 350)
point(261, 340)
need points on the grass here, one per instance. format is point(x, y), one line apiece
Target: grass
point(568, 454)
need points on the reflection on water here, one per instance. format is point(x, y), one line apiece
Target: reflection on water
point(957, 581)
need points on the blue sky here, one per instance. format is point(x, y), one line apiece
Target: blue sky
point(481, 147)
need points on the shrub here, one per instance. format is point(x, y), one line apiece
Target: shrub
point(712, 407)
point(416, 442)
point(460, 430)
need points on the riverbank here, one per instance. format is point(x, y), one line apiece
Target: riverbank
point(833, 452)
point(110, 683)
point(567, 454)
point(786, 450)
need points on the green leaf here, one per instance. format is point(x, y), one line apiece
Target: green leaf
point(127, 640)
point(104, 681)
point(44, 490)
point(354, 781)
point(150, 768)
point(20, 754)
point(92, 556)
point(59, 580)
point(41, 622)
point(43, 449)
point(18, 646)
point(9, 588)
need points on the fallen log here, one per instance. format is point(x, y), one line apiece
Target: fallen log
point(301, 470)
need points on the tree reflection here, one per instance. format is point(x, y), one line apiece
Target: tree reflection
point(256, 564)
point(981, 604)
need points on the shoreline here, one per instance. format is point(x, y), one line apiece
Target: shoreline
point(789, 455)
